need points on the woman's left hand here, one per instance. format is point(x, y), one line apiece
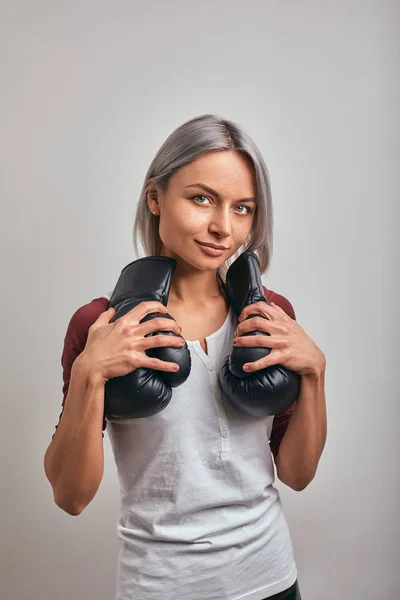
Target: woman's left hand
point(290, 346)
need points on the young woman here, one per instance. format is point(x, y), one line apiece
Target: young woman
point(200, 516)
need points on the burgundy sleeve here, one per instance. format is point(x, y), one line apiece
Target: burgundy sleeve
point(75, 341)
point(281, 420)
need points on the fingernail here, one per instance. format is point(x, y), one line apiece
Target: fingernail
point(246, 368)
point(176, 367)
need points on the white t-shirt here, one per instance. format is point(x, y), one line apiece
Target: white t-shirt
point(200, 516)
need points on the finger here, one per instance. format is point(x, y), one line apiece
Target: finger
point(162, 341)
point(259, 324)
point(158, 324)
point(103, 319)
point(260, 341)
point(158, 365)
point(274, 358)
point(135, 315)
point(280, 311)
point(258, 308)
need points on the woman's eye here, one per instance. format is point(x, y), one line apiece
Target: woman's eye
point(200, 196)
point(248, 209)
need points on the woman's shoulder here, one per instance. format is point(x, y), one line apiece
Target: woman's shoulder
point(86, 314)
point(280, 301)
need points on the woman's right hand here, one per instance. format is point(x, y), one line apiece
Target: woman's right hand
point(118, 348)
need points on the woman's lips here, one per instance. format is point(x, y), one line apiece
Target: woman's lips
point(211, 251)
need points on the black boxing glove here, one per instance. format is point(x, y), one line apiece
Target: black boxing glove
point(268, 391)
point(145, 392)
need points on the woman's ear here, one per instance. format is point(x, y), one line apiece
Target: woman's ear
point(152, 200)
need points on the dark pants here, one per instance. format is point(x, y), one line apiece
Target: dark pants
point(292, 593)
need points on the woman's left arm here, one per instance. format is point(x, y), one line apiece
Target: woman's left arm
point(304, 440)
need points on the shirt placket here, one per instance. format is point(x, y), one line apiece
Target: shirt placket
point(222, 417)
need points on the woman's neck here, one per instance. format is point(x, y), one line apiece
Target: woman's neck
point(199, 288)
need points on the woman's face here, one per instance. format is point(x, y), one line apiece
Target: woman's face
point(222, 215)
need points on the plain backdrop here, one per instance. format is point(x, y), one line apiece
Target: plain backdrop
point(89, 92)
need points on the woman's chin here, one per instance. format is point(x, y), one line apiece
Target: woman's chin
point(202, 263)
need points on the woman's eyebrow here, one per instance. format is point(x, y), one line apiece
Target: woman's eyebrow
point(216, 194)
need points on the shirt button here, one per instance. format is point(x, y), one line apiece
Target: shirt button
point(211, 367)
point(225, 434)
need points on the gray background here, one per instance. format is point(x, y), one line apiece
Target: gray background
point(89, 91)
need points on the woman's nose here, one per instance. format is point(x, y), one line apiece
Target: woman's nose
point(221, 222)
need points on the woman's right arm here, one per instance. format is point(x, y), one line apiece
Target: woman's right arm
point(74, 460)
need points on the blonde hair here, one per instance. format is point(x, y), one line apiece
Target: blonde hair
point(199, 136)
